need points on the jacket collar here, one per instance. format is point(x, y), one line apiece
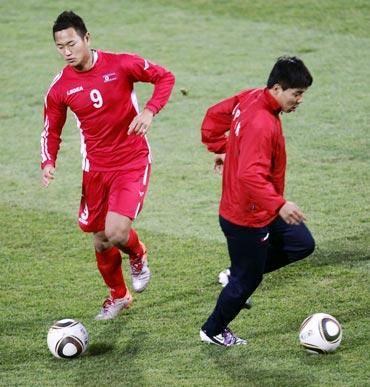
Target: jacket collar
point(272, 103)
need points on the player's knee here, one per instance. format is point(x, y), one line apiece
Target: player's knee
point(101, 241)
point(308, 246)
point(101, 244)
point(117, 236)
point(311, 246)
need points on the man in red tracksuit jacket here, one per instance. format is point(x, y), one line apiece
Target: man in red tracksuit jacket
point(264, 231)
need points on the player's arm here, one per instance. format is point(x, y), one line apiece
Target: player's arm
point(141, 70)
point(55, 114)
point(216, 125)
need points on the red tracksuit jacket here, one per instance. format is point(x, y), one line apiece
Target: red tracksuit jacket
point(247, 128)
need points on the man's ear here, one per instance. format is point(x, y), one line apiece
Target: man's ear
point(276, 89)
point(87, 37)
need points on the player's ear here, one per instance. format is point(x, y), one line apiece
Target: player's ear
point(87, 38)
point(277, 87)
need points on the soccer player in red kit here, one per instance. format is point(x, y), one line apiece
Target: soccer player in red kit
point(98, 87)
point(264, 231)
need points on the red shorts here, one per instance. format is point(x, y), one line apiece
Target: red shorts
point(117, 191)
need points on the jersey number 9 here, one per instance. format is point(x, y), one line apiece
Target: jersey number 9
point(96, 98)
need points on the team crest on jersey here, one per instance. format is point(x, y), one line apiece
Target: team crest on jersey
point(110, 77)
point(75, 90)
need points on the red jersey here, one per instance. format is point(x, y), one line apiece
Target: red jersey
point(104, 103)
point(247, 128)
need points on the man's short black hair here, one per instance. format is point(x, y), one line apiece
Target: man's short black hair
point(68, 19)
point(290, 73)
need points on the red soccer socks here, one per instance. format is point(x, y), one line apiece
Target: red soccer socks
point(109, 263)
point(133, 247)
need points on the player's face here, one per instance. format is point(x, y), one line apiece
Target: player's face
point(74, 49)
point(289, 99)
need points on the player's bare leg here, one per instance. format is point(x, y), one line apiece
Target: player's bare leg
point(119, 232)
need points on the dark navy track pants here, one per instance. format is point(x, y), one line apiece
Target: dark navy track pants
point(253, 252)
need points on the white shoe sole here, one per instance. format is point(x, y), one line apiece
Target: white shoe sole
point(206, 339)
point(115, 312)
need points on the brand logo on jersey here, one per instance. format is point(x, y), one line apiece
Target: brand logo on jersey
point(75, 90)
point(109, 77)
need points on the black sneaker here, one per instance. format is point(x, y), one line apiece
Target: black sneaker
point(226, 338)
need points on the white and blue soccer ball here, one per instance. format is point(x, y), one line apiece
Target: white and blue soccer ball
point(67, 339)
point(320, 333)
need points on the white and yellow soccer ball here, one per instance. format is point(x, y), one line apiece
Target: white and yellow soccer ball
point(320, 333)
point(67, 339)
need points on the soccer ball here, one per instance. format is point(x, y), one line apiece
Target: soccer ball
point(320, 333)
point(67, 339)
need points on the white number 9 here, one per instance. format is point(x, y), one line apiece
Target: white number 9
point(96, 98)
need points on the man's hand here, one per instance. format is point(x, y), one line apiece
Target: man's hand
point(218, 165)
point(291, 213)
point(141, 123)
point(48, 174)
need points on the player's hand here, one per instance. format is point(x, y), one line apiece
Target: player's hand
point(141, 123)
point(291, 213)
point(218, 165)
point(48, 174)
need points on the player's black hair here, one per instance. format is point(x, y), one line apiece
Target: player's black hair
point(68, 19)
point(290, 72)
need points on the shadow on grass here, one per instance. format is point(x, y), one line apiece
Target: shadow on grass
point(341, 251)
point(132, 348)
point(315, 360)
point(99, 349)
point(234, 362)
point(118, 362)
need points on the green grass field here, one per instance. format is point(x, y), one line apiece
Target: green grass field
point(215, 48)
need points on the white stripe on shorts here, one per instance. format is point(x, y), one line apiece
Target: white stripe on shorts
point(137, 210)
point(146, 174)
